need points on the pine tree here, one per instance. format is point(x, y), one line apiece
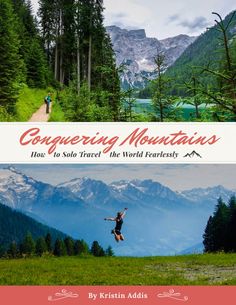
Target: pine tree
point(97, 250)
point(31, 47)
point(81, 247)
point(48, 21)
point(60, 248)
point(162, 103)
point(28, 245)
point(69, 243)
point(41, 246)
point(231, 226)
point(10, 61)
point(109, 251)
point(13, 251)
point(215, 237)
point(208, 236)
point(48, 240)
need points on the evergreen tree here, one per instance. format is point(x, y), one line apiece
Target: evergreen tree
point(128, 104)
point(28, 245)
point(60, 248)
point(109, 251)
point(215, 237)
point(13, 251)
point(10, 61)
point(48, 240)
point(31, 48)
point(97, 250)
point(2, 251)
point(219, 226)
point(208, 236)
point(81, 247)
point(48, 15)
point(69, 243)
point(41, 246)
point(231, 226)
point(162, 103)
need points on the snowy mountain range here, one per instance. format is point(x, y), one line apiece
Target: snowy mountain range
point(159, 221)
point(137, 51)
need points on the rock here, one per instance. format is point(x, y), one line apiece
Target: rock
point(137, 51)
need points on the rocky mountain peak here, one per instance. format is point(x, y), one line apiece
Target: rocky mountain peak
point(137, 51)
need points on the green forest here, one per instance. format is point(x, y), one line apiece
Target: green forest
point(220, 232)
point(21, 237)
point(65, 50)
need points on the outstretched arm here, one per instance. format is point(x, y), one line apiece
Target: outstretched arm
point(123, 213)
point(110, 219)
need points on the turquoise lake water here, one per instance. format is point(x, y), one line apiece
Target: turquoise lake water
point(145, 106)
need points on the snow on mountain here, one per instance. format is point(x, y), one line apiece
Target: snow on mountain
point(14, 187)
point(208, 196)
point(21, 192)
point(137, 51)
point(91, 191)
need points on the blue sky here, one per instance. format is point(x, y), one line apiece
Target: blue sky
point(177, 177)
point(162, 19)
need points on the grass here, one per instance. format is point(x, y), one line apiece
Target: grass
point(57, 115)
point(29, 101)
point(207, 269)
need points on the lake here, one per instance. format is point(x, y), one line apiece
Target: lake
point(145, 106)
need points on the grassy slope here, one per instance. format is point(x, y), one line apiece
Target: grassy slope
point(57, 114)
point(218, 269)
point(29, 102)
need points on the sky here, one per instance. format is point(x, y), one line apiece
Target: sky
point(176, 176)
point(162, 19)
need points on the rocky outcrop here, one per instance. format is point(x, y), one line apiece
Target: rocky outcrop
point(136, 52)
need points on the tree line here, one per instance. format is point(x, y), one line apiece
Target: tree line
point(220, 232)
point(66, 47)
point(61, 247)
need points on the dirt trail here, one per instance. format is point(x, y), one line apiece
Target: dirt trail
point(40, 115)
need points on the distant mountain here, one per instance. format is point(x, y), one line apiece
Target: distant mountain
point(42, 201)
point(202, 52)
point(159, 220)
point(137, 51)
point(21, 192)
point(208, 196)
point(196, 249)
point(15, 225)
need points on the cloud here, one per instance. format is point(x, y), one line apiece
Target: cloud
point(173, 18)
point(196, 24)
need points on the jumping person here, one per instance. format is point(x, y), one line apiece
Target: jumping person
point(48, 101)
point(119, 222)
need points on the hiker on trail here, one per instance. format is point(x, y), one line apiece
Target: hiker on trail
point(48, 101)
point(119, 222)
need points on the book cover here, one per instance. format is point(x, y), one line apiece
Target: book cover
point(117, 160)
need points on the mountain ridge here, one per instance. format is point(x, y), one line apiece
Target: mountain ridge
point(137, 51)
point(19, 224)
point(203, 52)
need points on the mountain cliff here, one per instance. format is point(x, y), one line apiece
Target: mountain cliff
point(137, 51)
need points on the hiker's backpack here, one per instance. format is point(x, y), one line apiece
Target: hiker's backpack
point(46, 100)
